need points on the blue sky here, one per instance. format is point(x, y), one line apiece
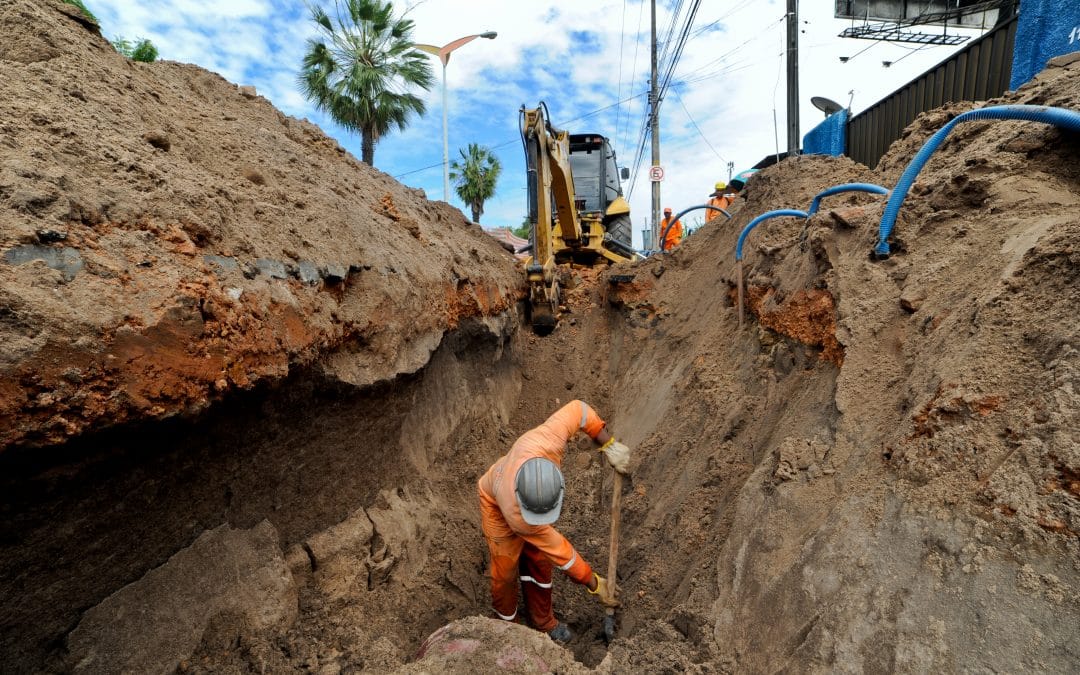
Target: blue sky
point(580, 56)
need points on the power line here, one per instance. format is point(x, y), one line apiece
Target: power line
point(761, 32)
point(733, 10)
point(672, 64)
point(622, 37)
point(691, 118)
point(562, 124)
point(725, 70)
point(633, 70)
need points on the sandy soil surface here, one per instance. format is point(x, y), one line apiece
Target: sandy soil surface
point(878, 472)
point(168, 237)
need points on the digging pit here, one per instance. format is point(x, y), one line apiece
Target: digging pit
point(243, 411)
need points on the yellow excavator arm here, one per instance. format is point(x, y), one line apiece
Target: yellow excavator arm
point(563, 230)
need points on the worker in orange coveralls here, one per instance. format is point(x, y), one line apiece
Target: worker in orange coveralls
point(521, 495)
point(718, 200)
point(674, 234)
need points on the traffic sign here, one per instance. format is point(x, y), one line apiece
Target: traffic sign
point(656, 173)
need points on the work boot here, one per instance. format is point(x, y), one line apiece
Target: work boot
point(561, 633)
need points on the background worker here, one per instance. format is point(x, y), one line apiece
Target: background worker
point(521, 495)
point(674, 234)
point(718, 200)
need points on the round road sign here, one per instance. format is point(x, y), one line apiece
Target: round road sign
point(656, 173)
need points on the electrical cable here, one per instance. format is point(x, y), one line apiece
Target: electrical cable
point(564, 123)
point(622, 37)
point(689, 117)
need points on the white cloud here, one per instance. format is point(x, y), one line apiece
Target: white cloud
point(577, 55)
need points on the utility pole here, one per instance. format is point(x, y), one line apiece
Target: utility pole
point(654, 109)
point(730, 170)
point(793, 76)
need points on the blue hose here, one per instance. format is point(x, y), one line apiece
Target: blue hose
point(1060, 117)
point(688, 209)
point(846, 187)
point(763, 217)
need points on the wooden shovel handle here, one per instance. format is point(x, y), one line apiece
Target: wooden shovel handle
point(613, 552)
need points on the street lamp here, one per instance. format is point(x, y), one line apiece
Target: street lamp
point(444, 55)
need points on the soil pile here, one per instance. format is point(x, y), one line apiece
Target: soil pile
point(877, 472)
point(171, 243)
point(168, 236)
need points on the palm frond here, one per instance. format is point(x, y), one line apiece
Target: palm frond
point(365, 76)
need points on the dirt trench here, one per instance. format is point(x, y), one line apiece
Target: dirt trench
point(242, 411)
point(307, 453)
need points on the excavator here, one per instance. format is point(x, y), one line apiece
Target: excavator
point(577, 210)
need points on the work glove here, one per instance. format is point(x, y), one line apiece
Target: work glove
point(604, 592)
point(618, 455)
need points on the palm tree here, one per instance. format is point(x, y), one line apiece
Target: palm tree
point(475, 177)
point(361, 67)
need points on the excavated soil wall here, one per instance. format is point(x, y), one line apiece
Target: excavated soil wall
point(877, 472)
point(303, 454)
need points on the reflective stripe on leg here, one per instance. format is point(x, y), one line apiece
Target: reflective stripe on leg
point(538, 583)
point(503, 616)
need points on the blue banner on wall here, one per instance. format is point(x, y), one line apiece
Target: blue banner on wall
point(1046, 28)
point(829, 137)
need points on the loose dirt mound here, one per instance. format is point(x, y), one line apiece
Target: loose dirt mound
point(168, 237)
point(170, 243)
point(878, 472)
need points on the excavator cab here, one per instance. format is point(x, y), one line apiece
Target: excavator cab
point(597, 186)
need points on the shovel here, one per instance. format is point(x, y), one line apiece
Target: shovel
point(613, 557)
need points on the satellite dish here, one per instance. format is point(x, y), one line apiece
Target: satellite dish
point(826, 105)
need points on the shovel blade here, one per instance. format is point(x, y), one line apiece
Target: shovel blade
point(609, 628)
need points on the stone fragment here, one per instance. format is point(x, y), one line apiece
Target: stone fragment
point(223, 264)
point(911, 298)
point(307, 272)
point(274, 269)
point(334, 273)
point(848, 217)
point(68, 261)
point(50, 236)
point(248, 92)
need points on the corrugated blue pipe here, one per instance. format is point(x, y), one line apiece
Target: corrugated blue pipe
point(763, 217)
point(846, 187)
point(1059, 117)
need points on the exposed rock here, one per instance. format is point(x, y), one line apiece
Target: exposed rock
point(153, 624)
point(483, 645)
point(911, 299)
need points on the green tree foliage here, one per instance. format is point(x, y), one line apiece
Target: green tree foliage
point(524, 230)
point(141, 50)
point(80, 5)
point(475, 177)
point(361, 67)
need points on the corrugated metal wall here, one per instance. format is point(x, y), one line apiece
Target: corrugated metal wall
point(976, 73)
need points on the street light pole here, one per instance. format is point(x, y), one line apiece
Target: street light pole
point(444, 56)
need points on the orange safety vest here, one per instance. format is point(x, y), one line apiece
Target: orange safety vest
point(674, 235)
point(499, 509)
point(721, 202)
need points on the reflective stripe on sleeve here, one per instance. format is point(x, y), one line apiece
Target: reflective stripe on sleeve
point(504, 617)
point(584, 415)
point(569, 564)
point(538, 583)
